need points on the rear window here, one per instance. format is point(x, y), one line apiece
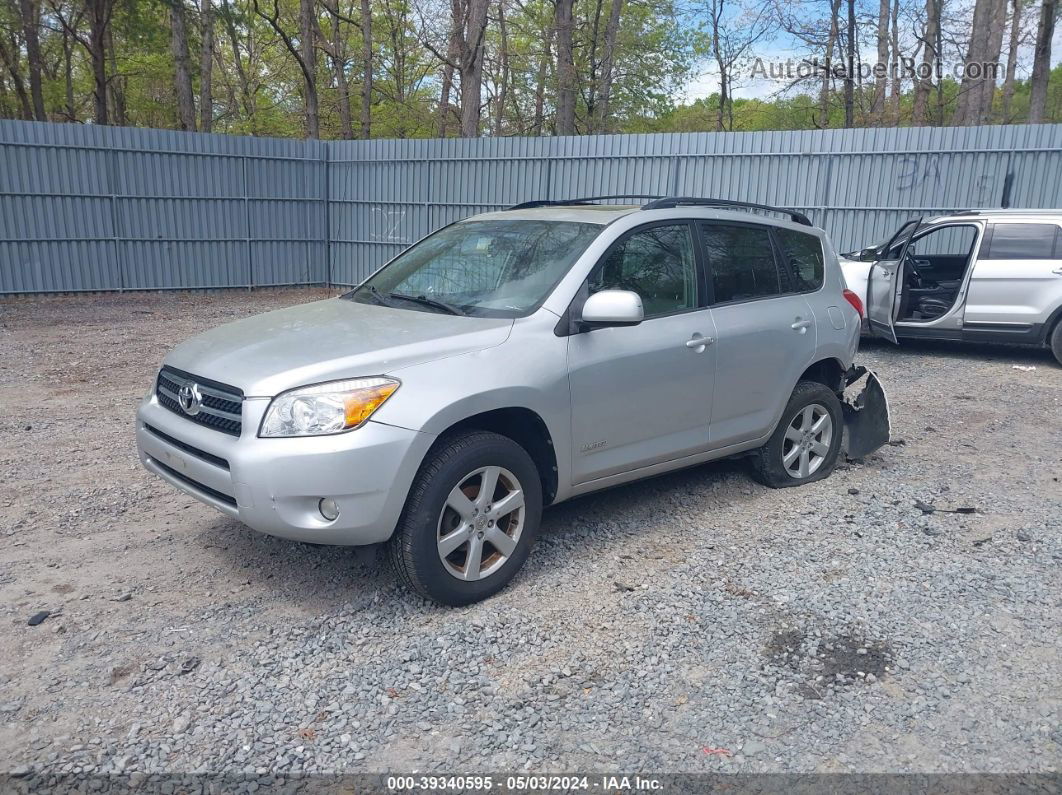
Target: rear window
point(803, 260)
point(1023, 241)
point(740, 262)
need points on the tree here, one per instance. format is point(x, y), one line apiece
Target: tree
point(30, 11)
point(366, 68)
point(206, 66)
point(182, 70)
point(99, 14)
point(602, 102)
point(305, 54)
point(1045, 31)
point(464, 56)
point(880, 79)
point(335, 46)
point(850, 67)
point(930, 59)
point(565, 68)
point(733, 36)
point(1012, 61)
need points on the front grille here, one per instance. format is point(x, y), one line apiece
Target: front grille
point(195, 484)
point(216, 460)
point(221, 405)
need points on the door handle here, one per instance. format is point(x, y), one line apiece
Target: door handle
point(699, 343)
point(801, 325)
point(1057, 271)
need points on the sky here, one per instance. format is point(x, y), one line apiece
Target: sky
point(782, 47)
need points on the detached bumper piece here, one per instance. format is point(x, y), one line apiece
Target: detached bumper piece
point(866, 416)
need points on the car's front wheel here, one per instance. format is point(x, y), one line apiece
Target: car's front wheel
point(469, 520)
point(1055, 341)
point(807, 441)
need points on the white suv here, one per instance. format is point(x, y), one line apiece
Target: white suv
point(975, 276)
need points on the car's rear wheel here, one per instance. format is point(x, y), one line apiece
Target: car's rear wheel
point(1056, 341)
point(807, 441)
point(470, 518)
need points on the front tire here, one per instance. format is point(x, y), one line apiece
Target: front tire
point(807, 442)
point(470, 519)
point(1056, 341)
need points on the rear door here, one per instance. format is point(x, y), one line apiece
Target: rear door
point(885, 281)
point(1017, 279)
point(766, 331)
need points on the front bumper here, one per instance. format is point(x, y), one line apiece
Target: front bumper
point(274, 485)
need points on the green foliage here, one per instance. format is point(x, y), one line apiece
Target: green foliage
point(259, 89)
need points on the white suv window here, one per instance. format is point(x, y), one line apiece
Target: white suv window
point(1024, 241)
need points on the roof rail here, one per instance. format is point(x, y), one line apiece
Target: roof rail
point(584, 200)
point(677, 201)
point(1007, 211)
point(667, 202)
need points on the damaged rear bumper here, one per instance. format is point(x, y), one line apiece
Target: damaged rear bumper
point(866, 415)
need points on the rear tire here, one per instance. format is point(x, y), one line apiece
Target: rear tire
point(807, 442)
point(455, 543)
point(1056, 341)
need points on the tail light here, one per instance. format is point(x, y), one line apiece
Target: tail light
point(853, 299)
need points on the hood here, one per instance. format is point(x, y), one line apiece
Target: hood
point(327, 340)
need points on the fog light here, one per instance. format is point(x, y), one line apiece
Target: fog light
point(328, 508)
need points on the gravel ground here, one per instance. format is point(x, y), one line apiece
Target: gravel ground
point(695, 622)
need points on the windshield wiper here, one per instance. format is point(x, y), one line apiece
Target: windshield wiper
point(376, 295)
point(425, 301)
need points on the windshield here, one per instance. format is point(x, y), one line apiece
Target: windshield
point(484, 268)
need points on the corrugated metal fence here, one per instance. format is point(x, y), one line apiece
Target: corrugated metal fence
point(89, 208)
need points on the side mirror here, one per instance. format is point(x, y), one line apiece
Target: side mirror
point(612, 308)
point(869, 254)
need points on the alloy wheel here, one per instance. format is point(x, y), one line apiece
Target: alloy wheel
point(481, 522)
point(807, 441)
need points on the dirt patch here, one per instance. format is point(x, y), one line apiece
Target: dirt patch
point(822, 665)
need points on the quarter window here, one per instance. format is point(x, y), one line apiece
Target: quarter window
point(656, 263)
point(1023, 241)
point(740, 262)
point(803, 256)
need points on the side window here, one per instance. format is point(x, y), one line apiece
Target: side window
point(945, 241)
point(1023, 241)
point(803, 255)
point(740, 261)
point(658, 264)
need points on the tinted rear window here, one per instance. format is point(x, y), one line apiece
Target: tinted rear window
point(804, 260)
point(740, 262)
point(1023, 241)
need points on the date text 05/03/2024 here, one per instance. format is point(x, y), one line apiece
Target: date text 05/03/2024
point(524, 783)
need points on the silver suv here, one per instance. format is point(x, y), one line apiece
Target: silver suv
point(975, 276)
point(511, 361)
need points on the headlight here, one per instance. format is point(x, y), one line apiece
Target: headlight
point(332, 407)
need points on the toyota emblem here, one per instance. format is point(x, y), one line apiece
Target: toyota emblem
point(190, 398)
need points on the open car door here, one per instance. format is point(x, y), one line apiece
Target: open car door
point(885, 281)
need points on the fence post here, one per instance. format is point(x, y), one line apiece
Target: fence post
point(327, 204)
point(825, 202)
point(1008, 183)
point(116, 238)
point(247, 222)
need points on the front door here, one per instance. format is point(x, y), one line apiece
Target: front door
point(643, 394)
point(885, 281)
